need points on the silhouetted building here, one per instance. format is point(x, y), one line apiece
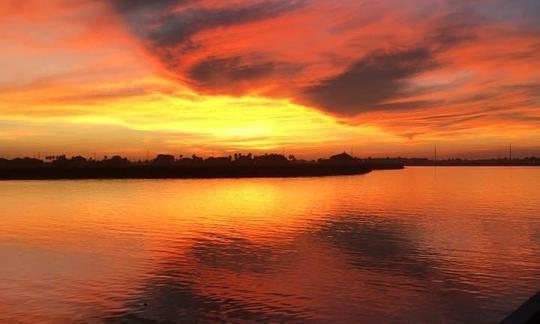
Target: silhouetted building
point(60, 161)
point(342, 158)
point(78, 162)
point(243, 159)
point(164, 160)
point(116, 162)
point(184, 161)
point(270, 159)
point(225, 160)
point(24, 163)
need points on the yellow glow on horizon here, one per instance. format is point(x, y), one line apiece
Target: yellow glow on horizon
point(249, 122)
point(177, 119)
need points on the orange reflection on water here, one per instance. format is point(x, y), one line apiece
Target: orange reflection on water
point(452, 244)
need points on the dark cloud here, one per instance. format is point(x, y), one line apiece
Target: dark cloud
point(409, 104)
point(219, 72)
point(379, 78)
point(228, 73)
point(523, 12)
point(367, 84)
point(131, 6)
point(176, 28)
point(106, 94)
point(164, 28)
point(378, 81)
point(168, 27)
point(521, 118)
point(454, 29)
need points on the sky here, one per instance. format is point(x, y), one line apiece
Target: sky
point(304, 77)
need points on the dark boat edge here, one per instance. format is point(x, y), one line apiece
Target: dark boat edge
point(528, 313)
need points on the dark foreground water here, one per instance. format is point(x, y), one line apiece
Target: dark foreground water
point(416, 245)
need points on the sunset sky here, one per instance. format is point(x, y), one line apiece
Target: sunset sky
point(307, 77)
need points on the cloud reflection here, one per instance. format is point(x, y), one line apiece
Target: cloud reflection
point(237, 254)
point(176, 293)
point(378, 246)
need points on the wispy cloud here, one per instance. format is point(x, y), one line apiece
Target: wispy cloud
point(411, 72)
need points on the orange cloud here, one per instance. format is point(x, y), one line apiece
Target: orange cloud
point(275, 73)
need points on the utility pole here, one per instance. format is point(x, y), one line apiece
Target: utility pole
point(510, 152)
point(435, 153)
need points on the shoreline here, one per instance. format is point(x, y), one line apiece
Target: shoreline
point(182, 172)
point(472, 166)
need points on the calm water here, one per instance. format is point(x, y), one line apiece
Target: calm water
point(415, 245)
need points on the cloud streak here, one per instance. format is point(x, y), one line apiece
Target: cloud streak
point(366, 63)
point(370, 82)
